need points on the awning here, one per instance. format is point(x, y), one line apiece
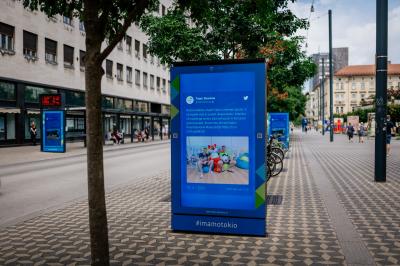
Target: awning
point(32, 112)
point(10, 110)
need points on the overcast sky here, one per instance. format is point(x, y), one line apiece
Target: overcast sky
point(353, 26)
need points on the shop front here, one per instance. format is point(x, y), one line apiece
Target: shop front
point(19, 108)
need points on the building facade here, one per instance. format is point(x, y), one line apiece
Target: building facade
point(340, 59)
point(353, 86)
point(45, 55)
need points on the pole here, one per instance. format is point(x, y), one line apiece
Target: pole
point(330, 76)
point(381, 88)
point(323, 96)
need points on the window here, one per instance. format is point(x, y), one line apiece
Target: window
point(137, 77)
point(152, 82)
point(353, 95)
point(342, 86)
point(107, 102)
point(109, 66)
point(163, 85)
point(162, 10)
point(152, 59)
point(144, 80)
point(67, 20)
point(137, 48)
point(353, 86)
point(337, 86)
point(337, 109)
point(158, 83)
point(119, 45)
point(81, 26)
point(73, 98)
point(128, 74)
point(142, 106)
point(50, 51)
point(7, 91)
point(362, 85)
point(32, 93)
point(337, 96)
point(30, 44)
point(341, 109)
point(82, 58)
point(6, 37)
point(68, 56)
point(119, 72)
point(362, 95)
point(128, 44)
point(144, 51)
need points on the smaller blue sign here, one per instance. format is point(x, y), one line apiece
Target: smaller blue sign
point(53, 136)
point(279, 125)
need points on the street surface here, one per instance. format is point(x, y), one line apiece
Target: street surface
point(323, 209)
point(31, 187)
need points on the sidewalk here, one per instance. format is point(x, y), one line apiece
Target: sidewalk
point(24, 154)
point(304, 226)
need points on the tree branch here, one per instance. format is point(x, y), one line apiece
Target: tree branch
point(132, 16)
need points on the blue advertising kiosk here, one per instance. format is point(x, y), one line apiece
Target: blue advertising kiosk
point(52, 123)
point(218, 146)
point(278, 123)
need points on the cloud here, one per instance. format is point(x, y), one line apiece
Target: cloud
point(354, 26)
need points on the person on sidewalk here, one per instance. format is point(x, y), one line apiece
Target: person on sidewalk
point(33, 133)
point(350, 132)
point(389, 130)
point(361, 133)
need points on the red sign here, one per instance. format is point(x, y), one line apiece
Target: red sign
point(51, 100)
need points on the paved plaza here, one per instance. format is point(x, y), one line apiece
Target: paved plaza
point(323, 209)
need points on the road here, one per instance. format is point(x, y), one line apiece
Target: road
point(33, 188)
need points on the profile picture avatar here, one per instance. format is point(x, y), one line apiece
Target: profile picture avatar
point(189, 100)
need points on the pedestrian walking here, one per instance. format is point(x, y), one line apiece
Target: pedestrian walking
point(33, 133)
point(147, 133)
point(361, 133)
point(390, 129)
point(350, 132)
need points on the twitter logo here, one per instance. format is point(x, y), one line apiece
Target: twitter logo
point(245, 97)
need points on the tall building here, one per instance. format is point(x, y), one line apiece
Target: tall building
point(340, 59)
point(45, 55)
point(353, 86)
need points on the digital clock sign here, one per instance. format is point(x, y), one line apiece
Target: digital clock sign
point(50, 100)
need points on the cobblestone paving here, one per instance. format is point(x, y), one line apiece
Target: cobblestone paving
point(139, 220)
point(374, 208)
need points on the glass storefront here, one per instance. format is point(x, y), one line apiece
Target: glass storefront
point(157, 129)
point(10, 126)
point(109, 123)
point(125, 124)
point(2, 128)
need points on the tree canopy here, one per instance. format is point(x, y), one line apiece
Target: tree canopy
point(220, 29)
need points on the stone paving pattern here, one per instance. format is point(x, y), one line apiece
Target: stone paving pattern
point(299, 229)
point(374, 208)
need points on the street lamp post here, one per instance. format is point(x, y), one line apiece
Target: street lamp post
point(381, 88)
point(331, 76)
point(323, 96)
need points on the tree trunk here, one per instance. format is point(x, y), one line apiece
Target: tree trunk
point(95, 170)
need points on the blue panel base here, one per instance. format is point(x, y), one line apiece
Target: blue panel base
point(217, 224)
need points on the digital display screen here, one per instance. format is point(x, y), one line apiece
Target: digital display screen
point(217, 140)
point(53, 100)
point(279, 126)
point(53, 131)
